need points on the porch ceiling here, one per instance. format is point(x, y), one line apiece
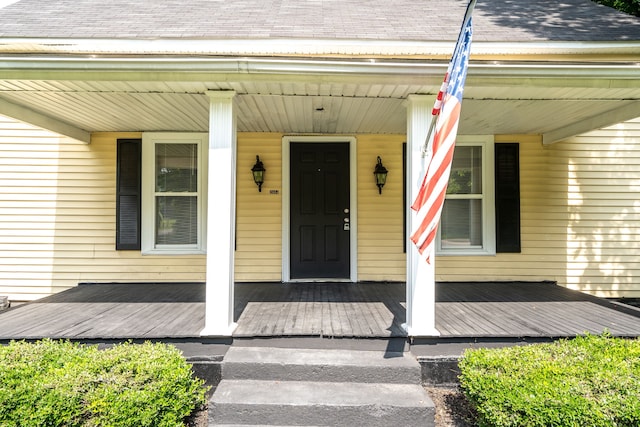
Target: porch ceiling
point(317, 106)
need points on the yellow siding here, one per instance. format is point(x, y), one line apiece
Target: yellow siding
point(380, 217)
point(57, 215)
point(381, 254)
point(580, 216)
point(259, 223)
point(601, 176)
point(259, 214)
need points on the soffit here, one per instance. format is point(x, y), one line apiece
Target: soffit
point(306, 107)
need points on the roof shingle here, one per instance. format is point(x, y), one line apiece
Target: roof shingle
point(426, 20)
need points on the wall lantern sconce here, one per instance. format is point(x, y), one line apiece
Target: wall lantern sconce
point(258, 171)
point(380, 172)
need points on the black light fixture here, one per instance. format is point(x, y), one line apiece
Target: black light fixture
point(258, 171)
point(380, 172)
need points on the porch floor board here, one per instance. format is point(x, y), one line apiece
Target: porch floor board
point(363, 310)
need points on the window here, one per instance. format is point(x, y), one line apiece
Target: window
point(467, 224)
point(173, 203)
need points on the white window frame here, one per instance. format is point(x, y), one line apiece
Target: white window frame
point(486, 142)
point(148, 217)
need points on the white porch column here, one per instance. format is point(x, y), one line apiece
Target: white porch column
point(421, 300)
point(221, 214)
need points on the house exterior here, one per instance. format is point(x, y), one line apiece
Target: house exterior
point(128, 134)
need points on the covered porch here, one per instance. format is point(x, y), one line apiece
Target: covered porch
point(464, 311)
point(226, 99)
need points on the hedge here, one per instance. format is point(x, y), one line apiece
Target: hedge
point(587, 381)
point(59, 383)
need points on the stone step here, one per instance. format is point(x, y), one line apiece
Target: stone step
point(314, 403)
point(327, 365)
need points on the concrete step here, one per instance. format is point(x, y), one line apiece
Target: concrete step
point(327, 365)
point(314, 403)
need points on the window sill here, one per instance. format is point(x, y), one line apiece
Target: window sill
point(465, 253)
point(174, 252)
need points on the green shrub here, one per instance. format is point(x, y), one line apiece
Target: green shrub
point(58, 383)
point(588, 381)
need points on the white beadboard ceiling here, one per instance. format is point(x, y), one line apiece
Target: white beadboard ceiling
point(308, 107)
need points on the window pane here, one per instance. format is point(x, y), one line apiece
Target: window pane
point(461, 224)
point(177, 220)
point(466, 171)
point(176, 168)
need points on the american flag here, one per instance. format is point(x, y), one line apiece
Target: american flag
point(439, 153)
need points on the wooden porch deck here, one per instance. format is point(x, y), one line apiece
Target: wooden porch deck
point(367, 310)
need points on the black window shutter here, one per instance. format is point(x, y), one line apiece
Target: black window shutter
point(507, 161)
point(404, 197)
point(128, 197)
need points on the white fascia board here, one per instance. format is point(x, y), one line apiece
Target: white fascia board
point(162, 68)
point(27, 115)
point(306, 47)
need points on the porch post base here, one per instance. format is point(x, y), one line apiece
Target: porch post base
point(209, 331)
point(420, 332)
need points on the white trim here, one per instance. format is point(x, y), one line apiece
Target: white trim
point(353, 201)
point(421, 295)
point(628, 111)
point(221, 218)
point(488, 198)
point(5, 3)
point(353, 208)
point(149, 140)
point(198, 69)
point(286, 206)
point(30, 116)
point(292, 46)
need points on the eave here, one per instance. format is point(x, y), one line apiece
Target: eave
point(310, 63)
point(169, 68)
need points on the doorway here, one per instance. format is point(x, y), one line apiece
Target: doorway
point(320, 232)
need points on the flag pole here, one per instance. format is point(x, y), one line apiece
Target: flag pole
point(436, 109)
point(437, 153)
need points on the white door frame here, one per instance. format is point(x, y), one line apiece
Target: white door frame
point(286, 194)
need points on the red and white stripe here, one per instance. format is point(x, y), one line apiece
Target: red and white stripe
point(443, 89)
point(430, 199)
point(439, 153)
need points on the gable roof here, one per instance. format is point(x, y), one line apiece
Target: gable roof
point(400, 20)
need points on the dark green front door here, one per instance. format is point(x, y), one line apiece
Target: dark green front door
point(320, 211)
